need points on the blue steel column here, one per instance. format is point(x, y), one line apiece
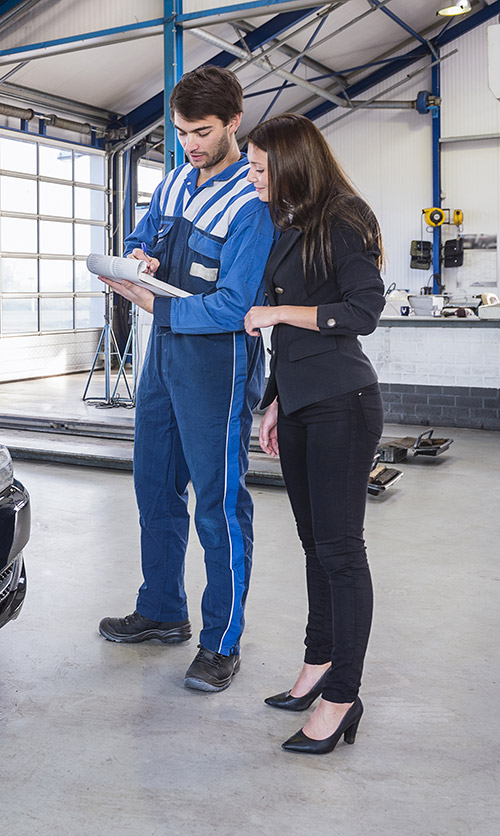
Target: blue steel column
point(173, 60)
point(436, 177)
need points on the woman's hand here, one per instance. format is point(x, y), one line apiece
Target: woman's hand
point(268, 432)
point(134, 293)
point(140, 255)
point(260, 317)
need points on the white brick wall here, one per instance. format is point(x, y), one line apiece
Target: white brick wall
point(435, 355)
point(44, 355)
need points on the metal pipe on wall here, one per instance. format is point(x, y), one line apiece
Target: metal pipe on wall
point(17, 112)
point(436, 176)
point(68, 124)
point(28, 114)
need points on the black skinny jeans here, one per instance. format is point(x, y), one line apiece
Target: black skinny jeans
point(326, 453)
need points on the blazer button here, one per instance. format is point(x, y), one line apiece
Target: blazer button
point(279, 290)
point(331, 322)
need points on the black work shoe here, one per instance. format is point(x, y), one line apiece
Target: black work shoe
point(211, 671)
point(136, 628)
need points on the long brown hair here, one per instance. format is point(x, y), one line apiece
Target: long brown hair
point(309, 191)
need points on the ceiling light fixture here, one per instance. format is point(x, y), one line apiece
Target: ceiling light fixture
point(460, 8)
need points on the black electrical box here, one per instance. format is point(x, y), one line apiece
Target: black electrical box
point(454, 253)
point(421, 256)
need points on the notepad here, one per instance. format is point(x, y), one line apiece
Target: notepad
point(130, 270)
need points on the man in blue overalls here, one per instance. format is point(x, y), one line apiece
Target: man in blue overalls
point(206, 232)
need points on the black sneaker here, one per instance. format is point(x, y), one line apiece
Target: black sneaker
point(211, 671)
point(136, 628)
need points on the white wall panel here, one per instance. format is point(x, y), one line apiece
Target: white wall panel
point(469, 107)
point(388, 155)
point(470, 170)
point(471, 182)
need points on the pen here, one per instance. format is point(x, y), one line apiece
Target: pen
point(143, 247)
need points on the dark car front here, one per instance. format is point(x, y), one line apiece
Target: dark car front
point(15, 524)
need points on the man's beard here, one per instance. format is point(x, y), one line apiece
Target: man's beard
point(217, 155)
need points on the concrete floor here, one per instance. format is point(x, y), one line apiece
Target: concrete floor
point(98, 739)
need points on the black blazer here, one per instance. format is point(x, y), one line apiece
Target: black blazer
point(310, 366)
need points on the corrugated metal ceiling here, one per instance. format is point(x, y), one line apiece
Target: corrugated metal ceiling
point(118, 71)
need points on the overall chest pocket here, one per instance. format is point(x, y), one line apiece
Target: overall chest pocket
point(163, 231)
point(205, 257)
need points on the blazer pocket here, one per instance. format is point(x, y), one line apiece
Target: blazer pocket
point(306, 348)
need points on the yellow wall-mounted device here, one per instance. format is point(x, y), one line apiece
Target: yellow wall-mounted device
point(458, 217)
point(434, 216)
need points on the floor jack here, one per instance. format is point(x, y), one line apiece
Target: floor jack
point(394, 450)
point(381, 477)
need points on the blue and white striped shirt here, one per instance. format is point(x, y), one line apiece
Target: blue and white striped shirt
point(212, 241)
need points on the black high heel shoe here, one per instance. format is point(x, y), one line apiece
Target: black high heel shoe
point(299, 742)
point(286, 701)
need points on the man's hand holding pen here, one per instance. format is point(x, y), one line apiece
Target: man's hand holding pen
point(141, 255)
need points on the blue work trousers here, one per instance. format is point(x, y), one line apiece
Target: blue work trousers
point(193, 421)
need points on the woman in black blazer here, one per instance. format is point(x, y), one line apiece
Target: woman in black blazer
point(324, 405)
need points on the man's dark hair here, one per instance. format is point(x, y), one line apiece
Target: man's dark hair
point(207, 91)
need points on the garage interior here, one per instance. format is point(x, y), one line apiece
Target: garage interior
point(99, 738)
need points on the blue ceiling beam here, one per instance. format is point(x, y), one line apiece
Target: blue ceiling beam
point(296, 64)
point(265, 5)
point(85, 36)
point(401, 62)
point(146, 114)
point(152, 110)
point(8, 5)
point(399, 22)
point(263, 34)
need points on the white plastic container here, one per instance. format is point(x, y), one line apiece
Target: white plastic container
point(430, 305)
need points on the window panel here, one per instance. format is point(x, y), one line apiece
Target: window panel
point(148, 178)
point(90, 312)
point(18, 195)
point(56, 199)
point(50, 237)
point(89, 239)
point(56, 162)
point(56, 237)
point(19, 275)
point(56, 276)
point(56, 314)
point(89, 168)
point(16, 155)
point(19, 316)
point(18, 235)
point(86, 282)
point(91, 204)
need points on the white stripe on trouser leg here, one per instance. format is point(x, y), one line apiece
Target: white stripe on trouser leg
point(225, 496)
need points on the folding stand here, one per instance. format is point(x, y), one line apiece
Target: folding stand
point(108, 345)
point(130, 347)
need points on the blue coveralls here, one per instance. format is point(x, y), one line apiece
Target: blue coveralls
point(202, 377)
